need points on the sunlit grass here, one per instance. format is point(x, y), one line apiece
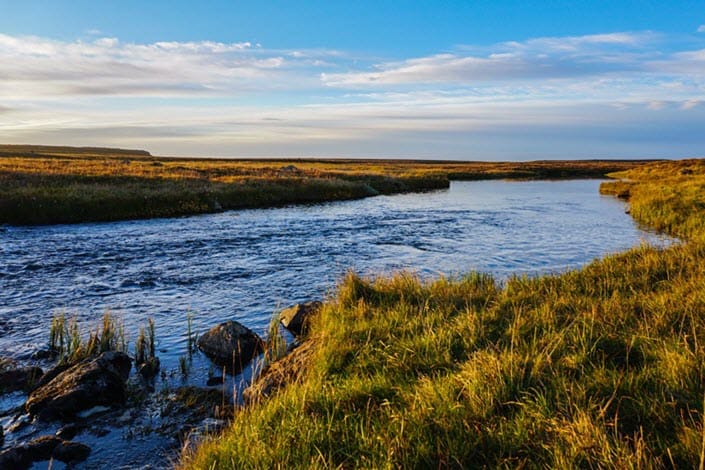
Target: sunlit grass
point(603, 367)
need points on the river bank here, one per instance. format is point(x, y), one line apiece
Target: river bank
point(49, 185)
point(597, 367)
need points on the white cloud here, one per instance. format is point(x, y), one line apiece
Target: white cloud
point(701, 28)
point(532, 60)
point(34, 66)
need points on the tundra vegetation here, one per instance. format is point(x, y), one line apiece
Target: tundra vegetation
point(44, 185)
point(602, 367)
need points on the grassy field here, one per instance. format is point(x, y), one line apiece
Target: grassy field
point(43, 185)
point(603, 367)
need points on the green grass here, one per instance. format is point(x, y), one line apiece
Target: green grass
point(603, 367)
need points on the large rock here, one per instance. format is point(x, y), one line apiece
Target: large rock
point(231, 344)
point(43, 448)
point(92, 382)
point(296, 318)
point(23, 378)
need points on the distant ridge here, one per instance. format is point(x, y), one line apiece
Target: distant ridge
point(38, 150)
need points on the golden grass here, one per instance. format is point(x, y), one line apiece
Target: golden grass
point(40, 185)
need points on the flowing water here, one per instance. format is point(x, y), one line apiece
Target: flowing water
point(245, 265)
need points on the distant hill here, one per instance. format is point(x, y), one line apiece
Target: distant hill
point(49, 150)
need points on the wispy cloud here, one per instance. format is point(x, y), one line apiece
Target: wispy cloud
point(534, 59)
point(34, 66)
point(701, 28)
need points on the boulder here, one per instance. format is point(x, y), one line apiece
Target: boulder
point(92, 382)
point(296, 318)
point(231, 344)
point(23, 378)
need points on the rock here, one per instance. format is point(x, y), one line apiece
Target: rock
point(296, 318)
point(192, 401)
point(17, 458)
point(68, 432)
point(23, 378)
point(230, 344)
point(51, 374)
point(279, 374)
point(43, 448)
point(149, 368)
point(90, 383)
point(42, 354)
point(71, 452)
point(22, 457)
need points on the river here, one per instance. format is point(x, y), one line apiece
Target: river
point(245, 265)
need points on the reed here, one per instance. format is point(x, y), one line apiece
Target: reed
point(70, 346)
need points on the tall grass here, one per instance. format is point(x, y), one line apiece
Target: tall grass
point(70, 346)
point(602, 367)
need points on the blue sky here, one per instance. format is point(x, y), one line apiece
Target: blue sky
point(484, 80)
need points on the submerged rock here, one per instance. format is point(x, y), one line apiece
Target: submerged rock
point(90, 383)
point(231, 344)
point(43, 448)
point(296, 318)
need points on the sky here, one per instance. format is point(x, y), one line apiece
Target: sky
point(462, 80)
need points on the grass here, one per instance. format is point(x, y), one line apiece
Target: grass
point(43, 185)
point(603, 367)
point(70, 346)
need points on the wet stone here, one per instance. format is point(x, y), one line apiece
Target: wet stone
point(297, 317)
point(90, 383)
point(230, 344)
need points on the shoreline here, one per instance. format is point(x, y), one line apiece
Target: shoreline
point(55, 185)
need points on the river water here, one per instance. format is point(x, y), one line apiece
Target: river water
point(245, 265)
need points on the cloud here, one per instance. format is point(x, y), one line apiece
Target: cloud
point(701, 28)
point(34, 66)
point(600, 55)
